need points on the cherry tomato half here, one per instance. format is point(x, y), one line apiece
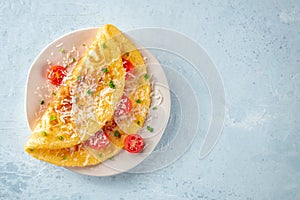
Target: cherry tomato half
point(127, 65)
point(123, 107)
point(134, 143)
point(97, 141)
point(56, 74)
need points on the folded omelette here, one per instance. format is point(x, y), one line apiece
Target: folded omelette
point(85, 107)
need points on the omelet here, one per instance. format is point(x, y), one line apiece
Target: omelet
point(82, 125)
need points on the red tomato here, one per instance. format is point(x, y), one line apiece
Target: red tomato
point(127, 65)
point(134, 143)
point(123, 107)
point(56, 74)
point(97, 141)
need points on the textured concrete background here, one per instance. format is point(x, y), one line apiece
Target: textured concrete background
point(256, 47)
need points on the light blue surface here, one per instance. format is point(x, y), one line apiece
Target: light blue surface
point(256, 48)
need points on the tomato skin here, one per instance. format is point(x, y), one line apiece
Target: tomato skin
point(123, 107)
point(134, 143)
point(127, 65)
point(97, 141)
point(56, 74)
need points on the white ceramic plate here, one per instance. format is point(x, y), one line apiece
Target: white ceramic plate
point(159, 117)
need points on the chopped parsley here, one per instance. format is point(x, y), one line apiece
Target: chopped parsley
point(62, 50)
point(150, 129)
point(65, 158)
point(60, 137)
point(42, 102)
point(44, 133)
point(111, 85)
point(127, 53)
point(138, 101)
point(73, 59)
point(104, 46)
point(104, 70)
point(146, 76)
point(154, 108)
point(52, 118)
point(78, 78)
point(53, 93)
point(117, 134)
point(31, 149)
point(100, 155)
point(89, 92)
point(111, 158)
point(138, 123)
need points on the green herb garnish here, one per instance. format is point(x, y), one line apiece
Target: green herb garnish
point(104, 70)
point(78, 78)
point(146, 76)
point(127, 53)
point(100, 155)
point(154, 108)
point(65, 158)
point(52, 118)
point(150, 129)
point(73, 59)
point(31, 149)
point(53, 93)
point(42, 102)
point(111, 85)
point(138, 123)
point(117, 134)
point(60, 137)
point(89, 92)
point(138, 101)
point(111, 158)
point(62, 50)
point(44, 133)
point(104, 46)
